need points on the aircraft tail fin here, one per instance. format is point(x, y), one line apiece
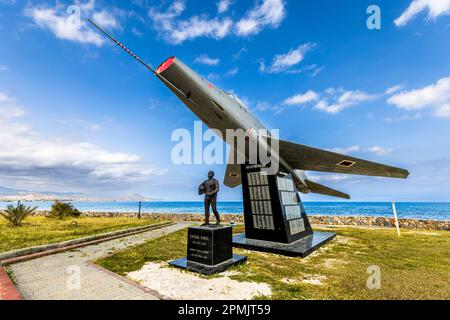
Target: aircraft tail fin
point(320, 189)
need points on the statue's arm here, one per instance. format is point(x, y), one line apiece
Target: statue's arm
point(217, 187)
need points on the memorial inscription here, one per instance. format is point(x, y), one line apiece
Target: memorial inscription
point(209, 250)
point(275, 219)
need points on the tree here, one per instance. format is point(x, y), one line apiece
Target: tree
point(61, 210)
point(16, 214)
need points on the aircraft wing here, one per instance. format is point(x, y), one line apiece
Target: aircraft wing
point(306, 158)
point(320, 189)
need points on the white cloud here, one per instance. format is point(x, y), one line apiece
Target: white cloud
point(283, 62)
point(435, 8)
point(346, 151)
point(176, 30)
point(136, 32)
point(393, 89)
point(3, 68)
point(26, 156)
point(337, 100)
point(405, 117)
point(264, 106)
point(380, 151)
point(223, 6)
point(87, 6)
point(205, 59)
point(5, 98)
point(57, 21)
point(436, 95)
point(300, 99)
point(105, 20)
point(239, 54)
point(9, 108)
point(232, 72)
point(266, 13)
point(332, 100)
point(323, 177)
point(61, 23)
point(199, 26)
point(443, 111)
point(316, 70)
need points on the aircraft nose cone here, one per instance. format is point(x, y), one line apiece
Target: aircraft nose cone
point(165, 65)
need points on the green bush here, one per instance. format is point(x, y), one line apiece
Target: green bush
point(16, 214)
point(61, 210)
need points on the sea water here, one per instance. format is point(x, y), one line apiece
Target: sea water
point(413, 210)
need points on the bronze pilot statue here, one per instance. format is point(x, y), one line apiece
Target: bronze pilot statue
point(210, 188)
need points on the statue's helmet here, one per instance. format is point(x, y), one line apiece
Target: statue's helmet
point(211, 174)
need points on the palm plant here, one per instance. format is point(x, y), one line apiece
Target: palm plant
point(16, 214)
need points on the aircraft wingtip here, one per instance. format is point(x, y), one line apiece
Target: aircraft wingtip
point(405, 174)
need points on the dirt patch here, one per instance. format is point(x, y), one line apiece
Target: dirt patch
point(315, 280)
point(181, 285)
point(334, 263)
point(308, 279)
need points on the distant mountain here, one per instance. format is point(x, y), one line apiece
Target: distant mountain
point(9, 194)
point(8, 191)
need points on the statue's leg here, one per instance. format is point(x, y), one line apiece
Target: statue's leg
point(207, 204)
point(214, 207)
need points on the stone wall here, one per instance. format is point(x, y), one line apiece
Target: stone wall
point(316, 220)
point(380, 221)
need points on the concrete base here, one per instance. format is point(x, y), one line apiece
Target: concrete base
point(301, 248)
point(183, 263)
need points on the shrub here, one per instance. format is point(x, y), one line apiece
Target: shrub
point(76, 213)
point(61, 210)
point(16, 214)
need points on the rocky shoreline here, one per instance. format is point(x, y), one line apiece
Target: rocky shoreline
point(314, 219)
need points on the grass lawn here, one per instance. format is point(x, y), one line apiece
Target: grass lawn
point(414, 266)
point(41, 230)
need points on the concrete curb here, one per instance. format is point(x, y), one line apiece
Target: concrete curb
point(39, 251)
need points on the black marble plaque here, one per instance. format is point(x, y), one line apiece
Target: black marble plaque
point(210, 246)
point(275, 219)
point(272, 207)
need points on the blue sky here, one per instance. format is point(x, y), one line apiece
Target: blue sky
point(79, 115)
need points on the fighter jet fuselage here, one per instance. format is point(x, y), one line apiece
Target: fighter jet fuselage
point(216, 108)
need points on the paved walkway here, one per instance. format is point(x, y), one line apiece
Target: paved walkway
point(70, 276)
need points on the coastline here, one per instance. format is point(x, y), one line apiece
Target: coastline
point(406, 210)
point(420, 224)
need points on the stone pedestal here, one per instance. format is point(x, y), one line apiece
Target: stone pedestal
point(275, 219)
point(209, 250)
point(300, 248)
